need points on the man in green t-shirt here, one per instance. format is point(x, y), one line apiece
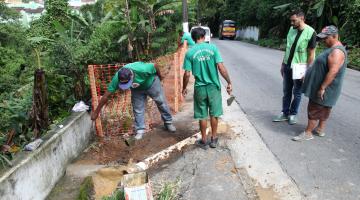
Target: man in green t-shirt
point(186, 36)
point(144, 80)
point(204, 61)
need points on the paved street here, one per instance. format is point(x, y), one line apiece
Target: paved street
point(324, 168)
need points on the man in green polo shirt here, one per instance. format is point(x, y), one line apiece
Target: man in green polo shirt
point(186, 36)
point(144, 80)
point(205, 63)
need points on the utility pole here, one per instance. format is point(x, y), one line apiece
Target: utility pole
point(198, 12)
point(185, 16)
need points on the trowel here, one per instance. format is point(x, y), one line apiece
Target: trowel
point(230, 100)
point(130, 141)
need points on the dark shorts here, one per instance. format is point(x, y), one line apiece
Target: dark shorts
point(318, 112)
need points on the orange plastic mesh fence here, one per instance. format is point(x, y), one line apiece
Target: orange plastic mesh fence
point(116, 116)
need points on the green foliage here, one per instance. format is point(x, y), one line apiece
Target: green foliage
point(15, 90)
point(117, 195)
point(169, 191)
point(272, 17)
point(64, 42)
point(4, 161)
point(7, 13)
point(56, 10)
point(86, 189)
point(14, 110)
point(206, 12)
point(272, 43)
point(354, 57)
point(102, 46)
point(351, 29)
point(61, 95)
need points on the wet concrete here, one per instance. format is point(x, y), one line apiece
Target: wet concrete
point(203, 174)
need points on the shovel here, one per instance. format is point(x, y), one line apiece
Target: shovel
point(230, 100)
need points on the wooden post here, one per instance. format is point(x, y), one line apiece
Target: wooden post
point(95, 100)
point(181, 56)
point(176, 81)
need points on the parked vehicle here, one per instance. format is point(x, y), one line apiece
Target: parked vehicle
point(227, 30)
point(208, 34)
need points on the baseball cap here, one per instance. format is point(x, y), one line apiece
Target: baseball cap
point(327, 31)
point(125, 77)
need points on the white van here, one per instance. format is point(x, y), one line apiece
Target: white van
point(208, 34)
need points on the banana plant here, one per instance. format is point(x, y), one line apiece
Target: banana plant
point(328, 12)
point(151, 9)
point(155, 8)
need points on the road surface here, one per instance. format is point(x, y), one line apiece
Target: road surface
point(323, 168)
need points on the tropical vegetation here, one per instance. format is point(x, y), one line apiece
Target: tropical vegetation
point(58, 47)
point(51, 56)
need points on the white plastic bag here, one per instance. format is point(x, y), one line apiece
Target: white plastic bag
point(33, 145)
point(80, 107)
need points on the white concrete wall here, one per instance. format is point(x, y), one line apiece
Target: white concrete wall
point(35, 174)
point(251, 32)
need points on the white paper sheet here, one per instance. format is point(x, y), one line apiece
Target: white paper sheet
point(298, 70)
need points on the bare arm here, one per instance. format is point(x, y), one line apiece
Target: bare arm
point(225, 75)
point(185, 82)
point(103, 100)
point(335, 60)
point(311, 56)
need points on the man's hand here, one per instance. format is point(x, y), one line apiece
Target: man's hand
point(229, 88)
point(321, 93)
point(282, 69)
point(94, 115)
point(184, 92)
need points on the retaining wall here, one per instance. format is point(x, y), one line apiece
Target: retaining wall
point(34, 174)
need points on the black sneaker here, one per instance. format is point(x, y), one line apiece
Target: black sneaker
point(214, 142)
point(202, 145)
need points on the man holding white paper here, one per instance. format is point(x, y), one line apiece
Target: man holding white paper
point(299, 54)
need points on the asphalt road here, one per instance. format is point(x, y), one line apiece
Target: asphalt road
point(323, 168)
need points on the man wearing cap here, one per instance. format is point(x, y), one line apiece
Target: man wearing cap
point(300, 52)
point(144, 80)
point(186, 36)
point(323, 83)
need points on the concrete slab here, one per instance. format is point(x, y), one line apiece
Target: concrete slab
point(203, 174)
point(260, 171)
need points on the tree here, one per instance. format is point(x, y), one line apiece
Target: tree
point(6, 13)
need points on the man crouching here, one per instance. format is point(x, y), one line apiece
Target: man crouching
point(144, 80)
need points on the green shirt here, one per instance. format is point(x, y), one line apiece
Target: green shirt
point(188, 38)
point(144, 74)
point(201, 60)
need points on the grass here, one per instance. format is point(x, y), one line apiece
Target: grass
point(117, 195)
point(4, 161)
point(169, 191)
point(266, 42)
point(86, 189)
